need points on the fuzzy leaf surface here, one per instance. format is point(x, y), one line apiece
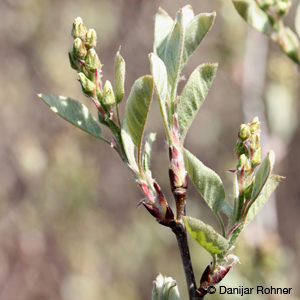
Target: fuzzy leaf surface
point(194, 31)
point(74, 112)
point(137, 108)
point(263, 197)
point(207, 182)
point(162, 28)
point(262, 174)
point(149, 139)
point(206, 236)
point(194, 93)
point(253, 15)
point(160, 79)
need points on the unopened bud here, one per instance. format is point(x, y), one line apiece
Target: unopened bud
point(119, 77)
point(73, 61)
point(79, 29)
point(244, 132)
point(88, 87)
point(244, 163)
point(91, 38)
point(108, 94)
point(92, 60)
point(79, 48)
point(264, 4)
point(254, 124)
point(283, 8)
point(164, 288)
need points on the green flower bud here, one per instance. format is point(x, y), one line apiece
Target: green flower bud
point(244, 162)
point(283, 7)
point(254, 124)
point(73, 61)
point(91, 38)
point(92, 60)
point(264, 4)
point(79, 48)
point(108, 94)
point(244, 132)
point(88, 87)
point(79, 29)
point(255, 141)
point(119, 76)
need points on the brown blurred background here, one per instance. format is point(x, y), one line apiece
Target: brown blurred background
point(69, 226)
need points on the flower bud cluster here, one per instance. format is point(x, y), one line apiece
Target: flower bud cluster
point(84, 59)
point(275, 9)
point(248, 152)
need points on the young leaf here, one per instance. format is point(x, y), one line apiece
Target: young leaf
point(160, 79)
point(150, 138)
point(129, 148)
point(262, 174)
point(74, 112)
point(194, 94)
point(264, 195)
point(194, 32)
point(206, 181)
point(136, 111)
point(137, 108)
point(163, 27)
point(185, 15)
point(172, 57)
point(206, 236)
point(165, 288)
point(253, 15)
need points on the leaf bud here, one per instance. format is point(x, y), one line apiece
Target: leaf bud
point(244, 132)
point(165, 288)
point(119, 77)
point(108, 94)
point(79, 48)
point(79, 29)
point(92, 60)
point(91, 38)
point(88, 87)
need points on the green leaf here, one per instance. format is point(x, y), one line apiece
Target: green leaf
point(226, 209)
point(163, 26)
point(185, 15)
point(74, 112)
point(265, 194)
point(206, 181)
point(262, 174)
point(194, 32)
point(172, 57)
point(129, 148)
point(137, 108)
point(297, 19)
point(206, 236)
point(150, 138)
point(194, 93)
point(160, 79)
point(165, 288)
point(136, 112)
point(253, 15)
